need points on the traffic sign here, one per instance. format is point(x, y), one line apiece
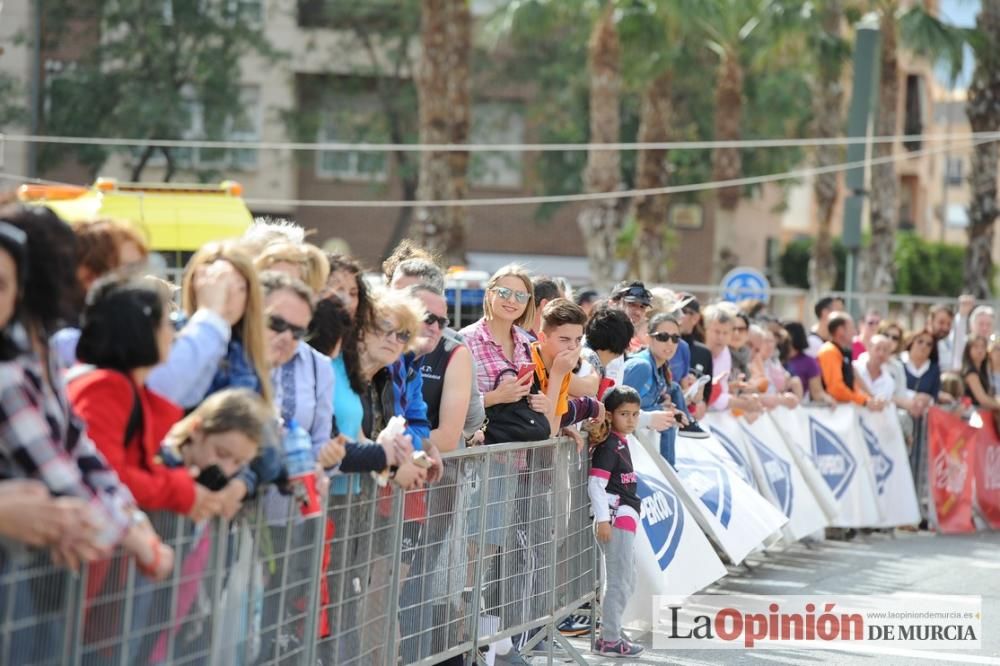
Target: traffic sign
point(744, 282)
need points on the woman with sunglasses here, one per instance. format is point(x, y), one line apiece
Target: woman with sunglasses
point(923, 376)
point(301, 376)
point(648, 373)
point(498, 342)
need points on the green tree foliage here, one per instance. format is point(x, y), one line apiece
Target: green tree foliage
point(150, 68)
point(924, 268)
point(12, 98)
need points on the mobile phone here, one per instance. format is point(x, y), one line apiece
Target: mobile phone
point(525, 370)
point(421, 459)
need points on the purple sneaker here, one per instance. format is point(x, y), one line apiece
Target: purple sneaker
point(619, 648)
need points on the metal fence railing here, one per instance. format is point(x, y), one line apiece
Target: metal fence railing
point(501, 547)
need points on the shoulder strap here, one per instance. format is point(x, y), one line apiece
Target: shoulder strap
point(134, 425)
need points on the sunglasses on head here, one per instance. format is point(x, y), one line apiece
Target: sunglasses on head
point(666, 337)
point(401, 336)
point(432, 319)
point(280, 325)
point(508, 294)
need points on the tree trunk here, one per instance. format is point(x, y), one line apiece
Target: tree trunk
point(828, 104)
point(726, 163)
point(650, 212)
point(983, 110)
point(140, 166)
point(443, 93)
point(600, 222)
point(879, 273)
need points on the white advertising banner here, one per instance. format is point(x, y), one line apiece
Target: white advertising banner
point(793, 424)
point(840, 454)
point(781, 478)
point(672, 554)
point(897, 498)
point(735, 514)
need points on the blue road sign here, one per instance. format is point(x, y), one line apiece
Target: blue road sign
point(745, 282)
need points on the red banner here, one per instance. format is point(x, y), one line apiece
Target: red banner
point(950, 449)
point(987, 467)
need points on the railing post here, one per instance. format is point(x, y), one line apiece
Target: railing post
point(313, 599)
point(392, 597)
point(477, 591)
point(215, 646)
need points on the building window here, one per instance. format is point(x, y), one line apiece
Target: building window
point(956, 216)
point(915, 110)
point(497, 122)
point(354, 120)
point(953, 171)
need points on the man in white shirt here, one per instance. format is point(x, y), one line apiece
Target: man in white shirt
point(871, 367)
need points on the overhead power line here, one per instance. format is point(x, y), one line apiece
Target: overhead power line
point(580, 197)
point(335, 146)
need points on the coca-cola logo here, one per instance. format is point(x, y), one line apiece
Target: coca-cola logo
point(950, 470)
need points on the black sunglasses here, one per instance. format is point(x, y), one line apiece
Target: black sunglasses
point(666, 337)
point(431, 319)
point(280, 325)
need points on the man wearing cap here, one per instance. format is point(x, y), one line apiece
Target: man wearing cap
point(635, 300)
point(701, 356)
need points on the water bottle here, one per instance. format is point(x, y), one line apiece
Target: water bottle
point(301, 466)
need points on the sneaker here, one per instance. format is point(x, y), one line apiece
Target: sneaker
point(575, 625)
point(693, 430)
point(619, 648)
point(512, 658)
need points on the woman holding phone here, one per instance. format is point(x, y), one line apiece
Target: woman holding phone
point(498, 342)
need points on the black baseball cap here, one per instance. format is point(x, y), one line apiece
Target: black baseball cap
point(633, 292)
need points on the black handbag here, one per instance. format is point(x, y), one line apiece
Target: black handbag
point(515, 421)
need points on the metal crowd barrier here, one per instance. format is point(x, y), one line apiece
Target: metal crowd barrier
point(501, 548)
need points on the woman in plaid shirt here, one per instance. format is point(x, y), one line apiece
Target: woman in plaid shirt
point(87, 509)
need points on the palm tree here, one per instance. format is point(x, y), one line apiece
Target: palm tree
point(727, 27)
point(879, 273)
point(919, 30)
point(600, 221)
point(652, 171)
point(983, 111)
point(444, 99)
point(830, 51)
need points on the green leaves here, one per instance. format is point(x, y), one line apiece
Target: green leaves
point(928, 36)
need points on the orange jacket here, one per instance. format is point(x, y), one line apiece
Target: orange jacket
point(831, 365)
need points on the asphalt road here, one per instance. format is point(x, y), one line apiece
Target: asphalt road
point(869, 564)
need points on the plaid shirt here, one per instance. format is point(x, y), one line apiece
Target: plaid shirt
point(489, 354)
point(41, 438)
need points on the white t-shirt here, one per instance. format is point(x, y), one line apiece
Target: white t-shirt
point(883, 388)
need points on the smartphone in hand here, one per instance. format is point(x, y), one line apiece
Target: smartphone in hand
point(525, 370)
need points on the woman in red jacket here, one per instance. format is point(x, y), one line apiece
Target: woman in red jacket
point(126, 332)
